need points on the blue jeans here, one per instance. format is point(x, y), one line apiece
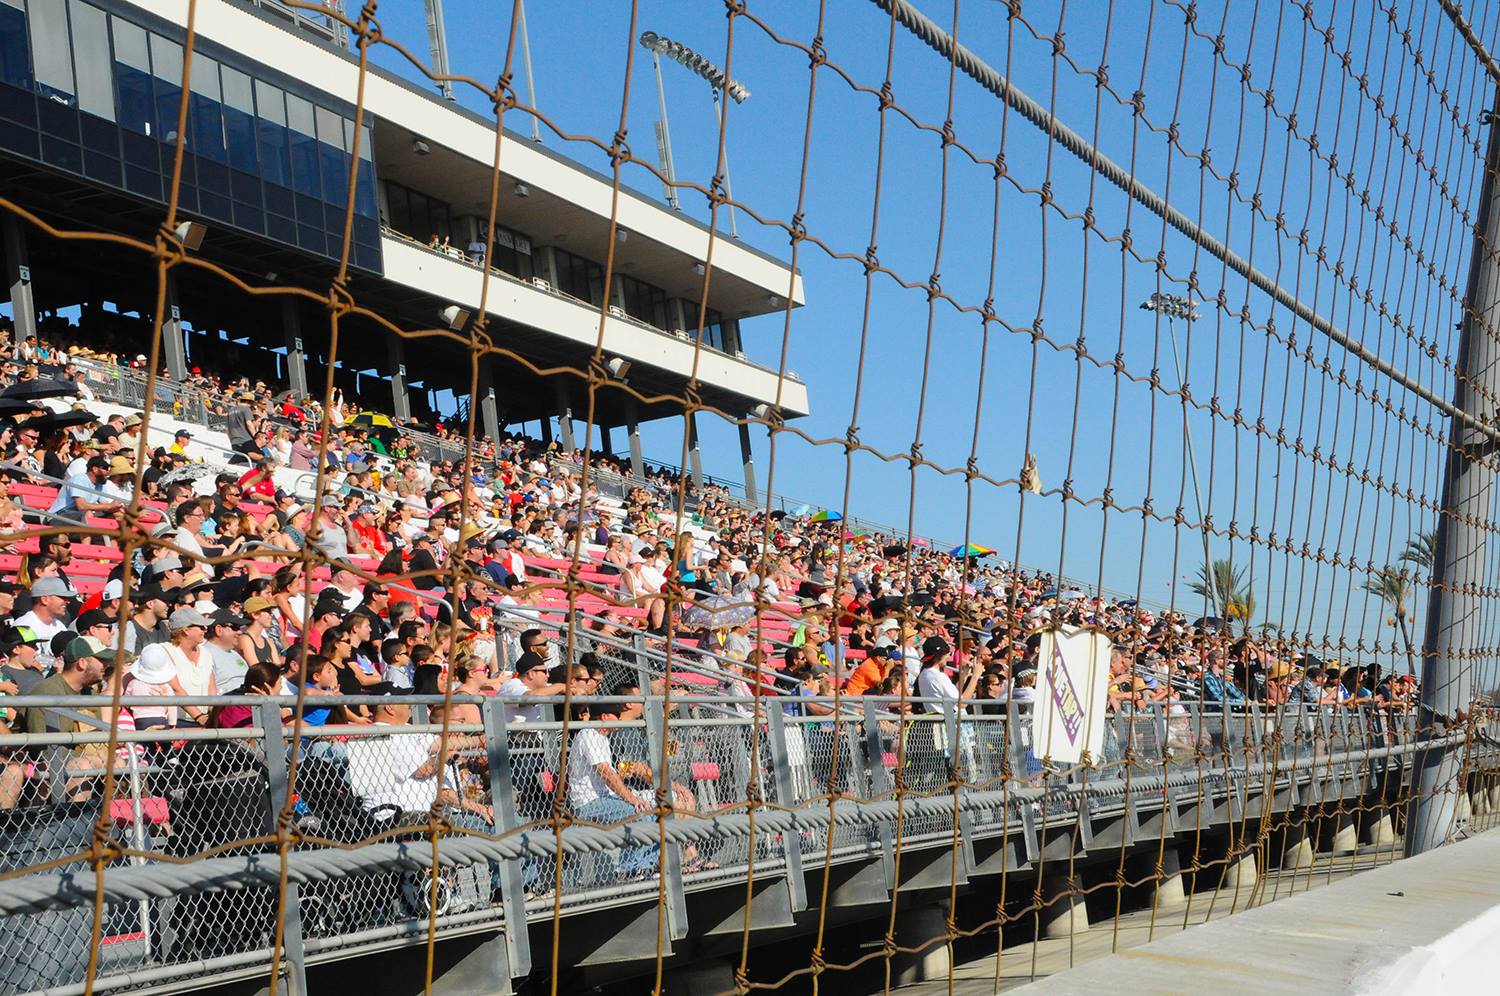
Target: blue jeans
point(636, 859)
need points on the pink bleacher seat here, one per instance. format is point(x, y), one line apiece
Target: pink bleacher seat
point(153, 811)
point(88, 586)
point(693, 678)
point(854, 655)
point(549, 782)
point(705, 771)
point(888, 759)
point(97, 551)
point(89, 569)
point(9, 563)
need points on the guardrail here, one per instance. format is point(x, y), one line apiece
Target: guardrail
point(360, 863)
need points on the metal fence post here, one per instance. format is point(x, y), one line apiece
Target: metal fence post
point(507, 818)
point(291, 910)
point(781, 767)
point(1455, 599)
point(656, 735)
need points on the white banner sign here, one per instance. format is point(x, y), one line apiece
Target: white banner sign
point(1071, 695)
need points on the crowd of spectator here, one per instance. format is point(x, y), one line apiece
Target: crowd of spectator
point(433, 574)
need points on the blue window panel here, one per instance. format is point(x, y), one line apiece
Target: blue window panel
point(279, 200)
point(61, 154)
point(206, 111)
point(15, 46)
point(18, 105)
point(249, 217)
point(19, 140)
point(365, 202)
point(143, 180)
point(101, 167)
point(281, 228)
point(300, 119)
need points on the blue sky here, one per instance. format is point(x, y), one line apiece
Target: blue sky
point(1041, 267)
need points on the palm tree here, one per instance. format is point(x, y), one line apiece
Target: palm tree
point(1421, 551)
point(1394, 587)
point(1228, 590)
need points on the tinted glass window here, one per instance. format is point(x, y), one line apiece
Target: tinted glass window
point(332, 162)
point(51, 50)
point(15, 48)
point(91, 47)
point(137, 110)
point(239, 120)
point(208, 117)
point(166, 73)
point(305, 165)
point(275, 145)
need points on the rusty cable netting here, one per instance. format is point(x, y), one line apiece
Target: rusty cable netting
point(1303, 186)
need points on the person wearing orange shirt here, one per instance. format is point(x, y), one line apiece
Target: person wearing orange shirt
point(873, 670)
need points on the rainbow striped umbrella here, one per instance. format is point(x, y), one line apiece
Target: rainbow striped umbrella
point(827, 516)
point(972, 550)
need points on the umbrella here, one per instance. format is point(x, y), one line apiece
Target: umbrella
point(827, 516)
point(919, 541)
point(9, 406)
point(187, 472)
point(374, 420)
point(40, 387)
point(1071, 595)
point(719, 611)
point(1209, 623)
point(63, 420)
point(973, 550)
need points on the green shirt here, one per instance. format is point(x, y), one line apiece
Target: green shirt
point(42, 721)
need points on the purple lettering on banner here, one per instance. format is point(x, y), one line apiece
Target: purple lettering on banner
point(1064, 693)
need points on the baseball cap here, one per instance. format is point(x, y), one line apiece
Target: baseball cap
point(225, 617)
point(52, 586)
point(934, 647)
point(330, 501)
point(87, 646)
point(92, 618)
point(258, 603)
point(183, 432)
point(183, 618)
point(12, 636)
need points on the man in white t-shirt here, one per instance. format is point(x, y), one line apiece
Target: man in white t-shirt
point(597, 794)
point(50, 598)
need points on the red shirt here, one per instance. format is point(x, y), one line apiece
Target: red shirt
point(264, 486)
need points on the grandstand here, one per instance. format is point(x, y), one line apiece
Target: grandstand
point(314, 660)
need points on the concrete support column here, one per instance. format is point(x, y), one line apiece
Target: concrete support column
point(547, 266)
point(1240, 873)
point(546, 430)
point(400, 400)
point(633, 430)
point(1380, 831)
point(1297, 848)
point(173, 348)
point(1168, 889)
point(564, 413)
point(695, 458)
point(752, 493)
point(1495, 798)
point(1063, 912)
point(296, 355)
point(926, 926)
point(18, 276)
point(1345, 835)
point(606, 443)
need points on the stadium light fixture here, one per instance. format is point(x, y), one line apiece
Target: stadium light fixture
point(1172, 306)
point(190, 234)
point(420, 147)
point(522, 190)
point(699, 269)
point(618, 368)
point(455, 316)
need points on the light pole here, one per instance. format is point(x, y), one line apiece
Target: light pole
point(1174, 307)
point(536, 126)
point(658, 46)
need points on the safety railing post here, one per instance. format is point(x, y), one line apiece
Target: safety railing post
point(656, 736)
point(291, 908)
point(507, 818)
point(781, 767)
